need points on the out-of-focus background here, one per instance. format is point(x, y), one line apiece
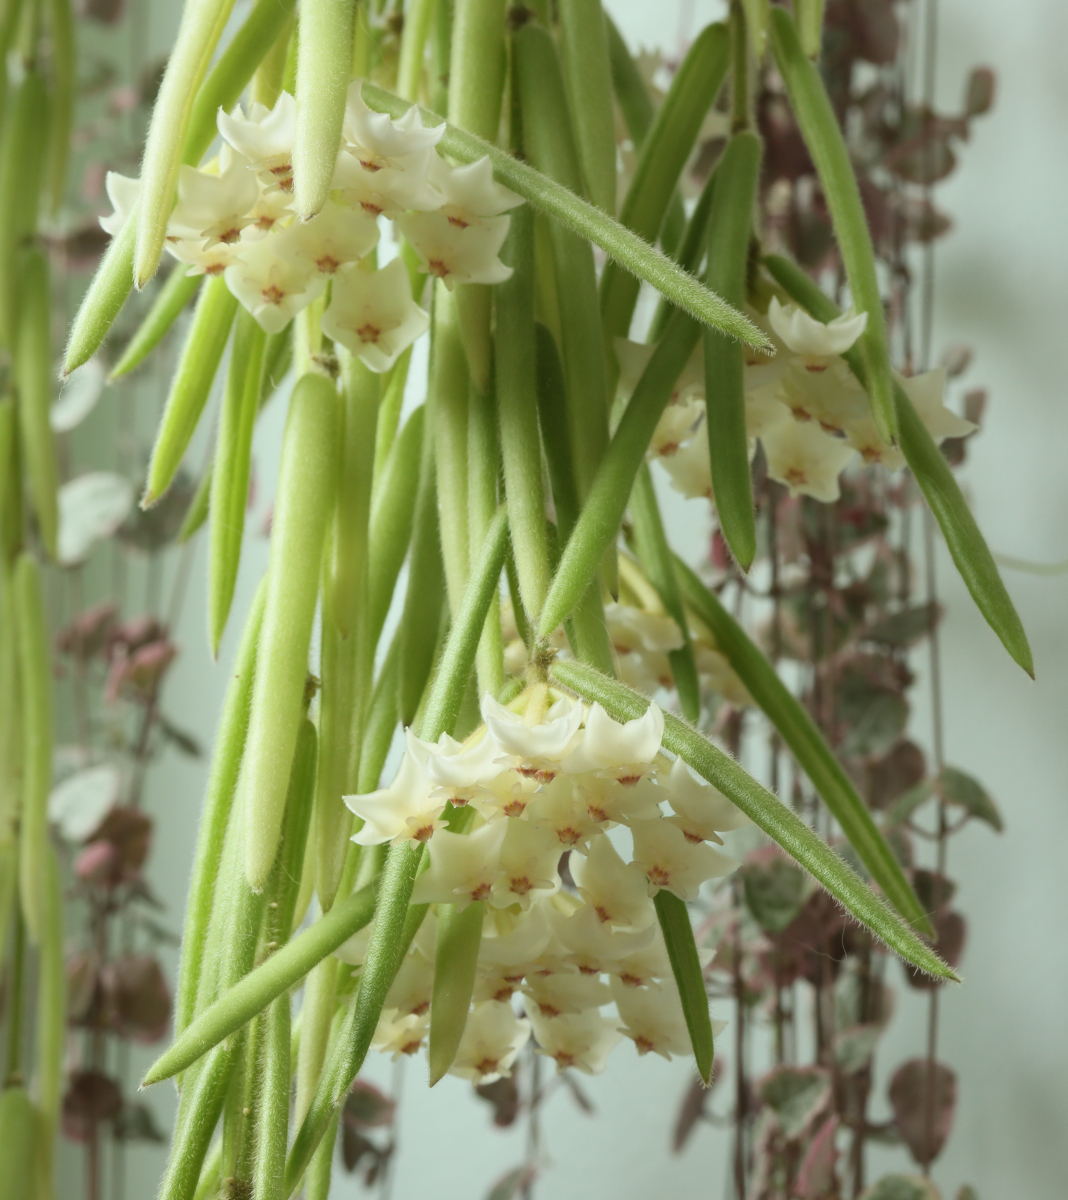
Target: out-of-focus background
point(1000, 288)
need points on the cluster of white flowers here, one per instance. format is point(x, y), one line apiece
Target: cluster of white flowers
point(236, 217)
point(543, 783)
point(805, 405)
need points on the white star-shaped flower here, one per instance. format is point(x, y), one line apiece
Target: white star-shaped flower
point(689, 467)
point(557, 994)
point(617, 892)
point(273, 288)
point(214, 206)
point(333, 238)
point(470, 192)
point(265, 138)
point(806, 336)
point(463, 866)
point(404, 811)
point(652, 1018)
point(559, 808)
point(807, 460)
point(625, 749)
point(592, 944)
point(457, 254)
point(400, 1033)
point(670, 860)
point(579, 1040)
point(528, 859)
point(534, 750)
point(492, 1039)
point(372, 314)
point(701, 811)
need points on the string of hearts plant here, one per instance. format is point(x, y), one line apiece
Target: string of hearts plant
point(334, 183)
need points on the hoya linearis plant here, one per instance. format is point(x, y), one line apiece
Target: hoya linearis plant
point(331, 190)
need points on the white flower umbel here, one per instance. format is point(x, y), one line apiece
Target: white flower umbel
point(491, 1041)
point(463, 867)
point(807, 460)
point(372, 314)
point(214, 206)
point(122, 192)
point(617, 893)
point(670, 860)
point(652, 1018)
point(265, 138)
point(457, 254)
point(405, 811)
point(335, 237)
point(810, 338)
point(273, 288)
point(579, 1040)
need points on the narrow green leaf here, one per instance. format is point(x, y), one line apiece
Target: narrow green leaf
point(381, 720)
point(448, 389)
point(35, 678)
point(584, 52)
point(477, 62)
point(517, 410)
point(199, 1109)
point(417, 20)
point(306, 487)
point(548, 144)
point(197, 512)
point(33, 382)
point(728, 255)
point(10, 490)
point(22, 147)
point(191, 386)
point(198, 34)
point(272, 1124)
point(598, 523)
point(215, 814)
point(61, 108)
point(51, 1004)
point(453, 670)
point(819, 127)
point(655, 555)
point(664, 153)
point(456, 957)
point(620, 243)
point(231, 471)
point(17, 1141)
point(173, 296)
point(966, 544)
point(104, 297)
point(776, 820)
point(260, 987)
point(324, 64)
point(395, 925)
point(807, 745)
point(417, 634)
point(686, 967)
point(389, 413)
